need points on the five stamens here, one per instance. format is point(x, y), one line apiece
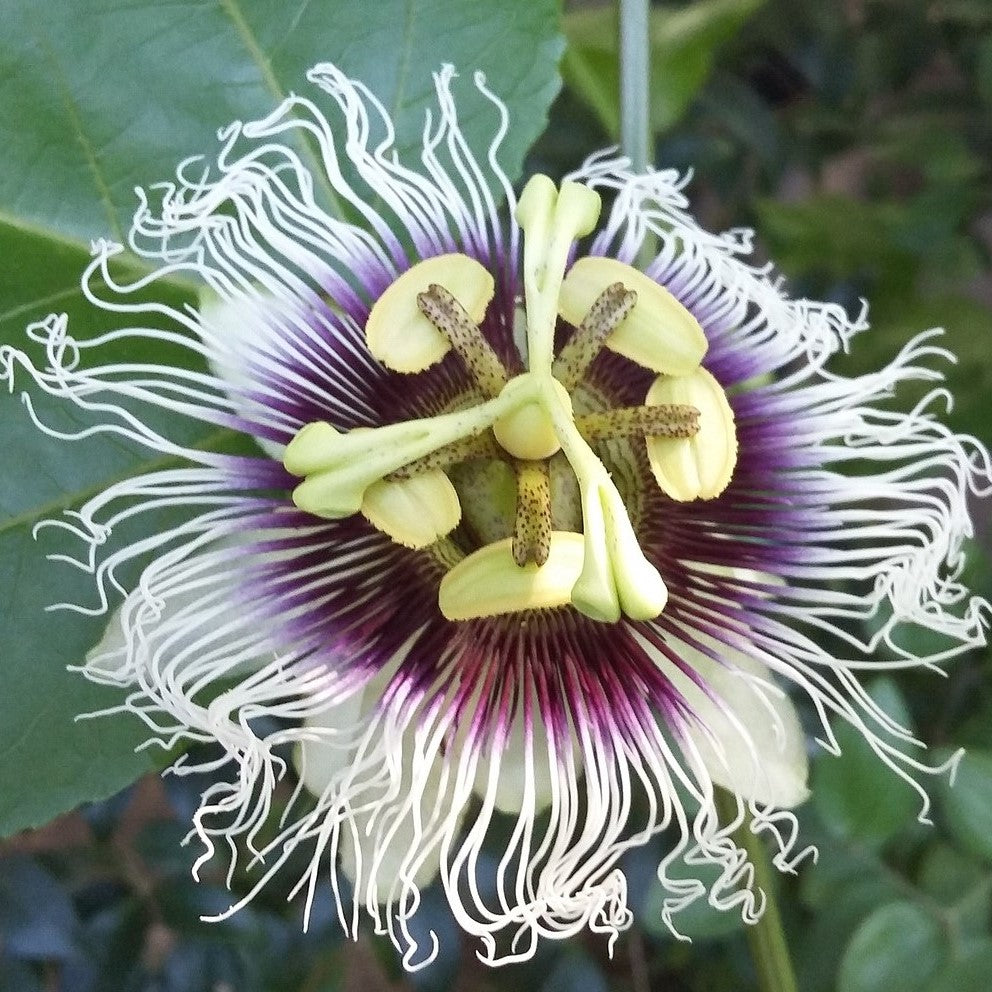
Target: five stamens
point(525, 420)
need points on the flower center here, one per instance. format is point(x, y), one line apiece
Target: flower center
point(520, 464)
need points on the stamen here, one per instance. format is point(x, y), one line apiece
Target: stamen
point(413, 512)
point(612, 306)
point(659, 333)
point(532, 528)
point(464, 335)
point(397, 332)
point(665, 420)
point(699, 467)
point(489, 582)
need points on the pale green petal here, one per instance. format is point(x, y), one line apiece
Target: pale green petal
point(748, 739)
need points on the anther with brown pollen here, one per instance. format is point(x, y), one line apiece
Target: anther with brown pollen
point(465, 336)
point(608, 311)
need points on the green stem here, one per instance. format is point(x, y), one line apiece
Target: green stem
point(636, 136)
point(766, 938)
point(635, 83)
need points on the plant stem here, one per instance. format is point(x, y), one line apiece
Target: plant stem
point(636, 136)
point(766, 939)
point(635, 82)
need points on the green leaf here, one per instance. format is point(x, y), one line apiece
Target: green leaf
point(684, 42)
point(966, 806)
point(99, 99)
point(848, 882)
point(946, 875)
point(898, 947)
point(106, 96)
point(49, 762)
point(967, 973)
point(838, 237)
point(856, 795)
point(983, 70)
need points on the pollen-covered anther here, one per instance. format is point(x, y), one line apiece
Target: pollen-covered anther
point(666, 420)
point(490, 583)
point(397, 331)
point(464, 335)
point(610, 308)
point(701, 466)
point(414, 512)
point(532, 526)
point(659, 333)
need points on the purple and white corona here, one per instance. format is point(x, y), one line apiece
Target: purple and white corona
point(533, 532)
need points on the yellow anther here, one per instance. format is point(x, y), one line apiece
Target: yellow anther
point(463, 334)
point(659, 333)
point(489, 582)
point(414, 512)
point(699, 467)
point(609, 309)
point(399, 334)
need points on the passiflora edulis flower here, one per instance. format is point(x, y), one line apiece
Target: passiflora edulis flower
point(537, 537)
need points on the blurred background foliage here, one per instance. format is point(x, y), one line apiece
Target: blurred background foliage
point(856, 137)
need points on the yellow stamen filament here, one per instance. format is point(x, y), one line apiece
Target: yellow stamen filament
point(611, 307)
point(659, 334)
point(464, 335)
point(397, 332)
point(699, 467)
point(532, 527)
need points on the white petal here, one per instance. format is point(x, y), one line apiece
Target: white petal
point(181, 624)
point(235, 328)
point(109, 654)
point(747, 739)
point(396, 842)
point(520, 768)
point(320, 761)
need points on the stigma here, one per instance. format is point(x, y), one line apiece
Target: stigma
point(511, 487)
